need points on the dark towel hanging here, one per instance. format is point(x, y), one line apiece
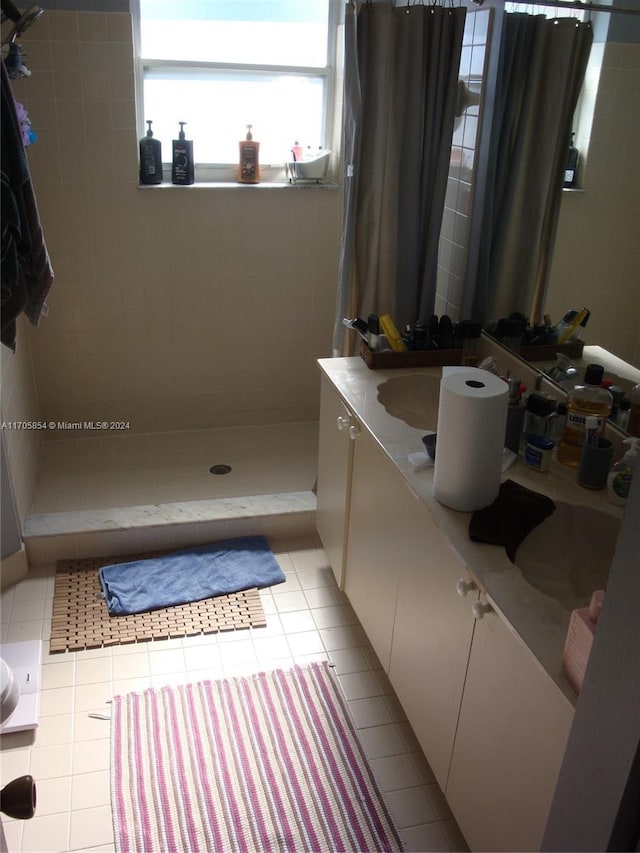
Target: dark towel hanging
point(26, 275)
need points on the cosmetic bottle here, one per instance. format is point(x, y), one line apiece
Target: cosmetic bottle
point(622, 419)
point(633, 424)
point(182, 165)
point(578, 335)
point(150, 159)
point(577, 647)
point(619, 481)
point(571, 171)
point(373, 332)
point(470, 332)
point(569, 331)
point(249, 169)
point(587, 399)
point(538, 418)
point(296, 151)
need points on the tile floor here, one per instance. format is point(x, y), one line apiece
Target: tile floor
point(308, 618)
point(122, 469)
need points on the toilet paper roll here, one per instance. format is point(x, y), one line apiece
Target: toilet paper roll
point(472, 416)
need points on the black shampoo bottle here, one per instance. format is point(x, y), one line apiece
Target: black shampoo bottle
point(150, 159)
point(182, 164)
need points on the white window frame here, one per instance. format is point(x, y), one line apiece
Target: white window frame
point(269, 172)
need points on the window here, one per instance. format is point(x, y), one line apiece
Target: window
point(219, 65)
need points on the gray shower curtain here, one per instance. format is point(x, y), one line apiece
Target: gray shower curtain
point(401, 75)
point(541, 69)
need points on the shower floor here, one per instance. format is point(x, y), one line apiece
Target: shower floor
point(131, 493)
point(128, 470)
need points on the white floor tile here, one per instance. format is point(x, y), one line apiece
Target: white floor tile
point(381, 741)
point(53, 796)
point(54, 730)
point(308, 618)
point(49, 832)
point(58, 675)
point(359, 685)
point(92, 759)
point(93, 671)
point(90, 790)
point(395, 772)
point(50, 762)
point(90, 827)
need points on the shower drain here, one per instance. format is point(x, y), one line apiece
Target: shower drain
point(220, 469)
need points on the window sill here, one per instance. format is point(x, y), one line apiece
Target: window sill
point(228, 185)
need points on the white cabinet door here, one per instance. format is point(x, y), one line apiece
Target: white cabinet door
point(513, 728)
point(431, 638)
point(335, 453)
point(377, 528)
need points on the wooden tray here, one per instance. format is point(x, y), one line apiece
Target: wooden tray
point(411, 358)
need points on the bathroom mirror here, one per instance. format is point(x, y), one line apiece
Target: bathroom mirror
point(623, 374)
point(594, 262)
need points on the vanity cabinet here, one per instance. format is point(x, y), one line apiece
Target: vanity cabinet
point(335, 455)
point(491, 721)
point(378, 528)
point(512, 732)
point(432, 635)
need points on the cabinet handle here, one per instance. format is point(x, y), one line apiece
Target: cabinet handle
point(343, 421)
point(479, 609)
point(463, 587)
point(354, 432)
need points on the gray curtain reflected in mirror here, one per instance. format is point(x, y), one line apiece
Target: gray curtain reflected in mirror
point(541, 69)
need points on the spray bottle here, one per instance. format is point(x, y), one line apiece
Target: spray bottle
point(619, 480)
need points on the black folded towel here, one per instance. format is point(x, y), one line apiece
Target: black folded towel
point(511, 517)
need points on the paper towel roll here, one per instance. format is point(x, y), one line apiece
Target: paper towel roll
point(472, 416)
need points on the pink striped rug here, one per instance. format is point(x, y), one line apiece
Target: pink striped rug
point(270, 762)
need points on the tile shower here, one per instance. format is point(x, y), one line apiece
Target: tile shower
point(186, 312)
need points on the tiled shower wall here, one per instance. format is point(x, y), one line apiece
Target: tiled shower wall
point(172, 307)
point(452, 251)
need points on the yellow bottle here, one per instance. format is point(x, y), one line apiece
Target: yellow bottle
point(391, 333)
point(587, 399)
point(249, 169)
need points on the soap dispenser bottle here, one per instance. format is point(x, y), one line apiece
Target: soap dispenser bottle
point(571, 171)
point(150, 158)
point(619, 481)
point(182, 164)
point(249, 169)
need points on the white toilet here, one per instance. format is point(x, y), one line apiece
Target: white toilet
point(9, 691)
point(20, 677)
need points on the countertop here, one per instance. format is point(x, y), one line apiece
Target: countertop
point(540, 621)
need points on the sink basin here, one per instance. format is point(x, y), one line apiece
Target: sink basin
point(569, 555)
point(413, 399)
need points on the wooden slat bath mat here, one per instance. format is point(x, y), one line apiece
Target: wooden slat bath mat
point(81, 620)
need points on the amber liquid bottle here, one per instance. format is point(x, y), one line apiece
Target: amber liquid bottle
point(249, 169)
point(584, 400)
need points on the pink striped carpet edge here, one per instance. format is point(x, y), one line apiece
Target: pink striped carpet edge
point(266, 762)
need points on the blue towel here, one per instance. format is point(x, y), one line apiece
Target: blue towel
point(189, 575)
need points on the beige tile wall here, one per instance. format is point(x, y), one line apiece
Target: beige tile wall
point(452, 250)
point(173, 307)
point(597, 254)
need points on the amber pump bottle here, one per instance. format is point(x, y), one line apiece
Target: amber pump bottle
point(587, 399)
point(249, 169)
